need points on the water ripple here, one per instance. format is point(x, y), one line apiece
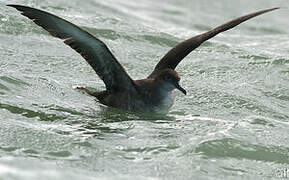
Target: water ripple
point(31, 114)
point(233, 148)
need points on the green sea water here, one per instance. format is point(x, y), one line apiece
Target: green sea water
point(233, 123)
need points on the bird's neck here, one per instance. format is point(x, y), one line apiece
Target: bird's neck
point(156, 95)
point(162, 97)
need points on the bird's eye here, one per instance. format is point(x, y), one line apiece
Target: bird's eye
point(167, 78)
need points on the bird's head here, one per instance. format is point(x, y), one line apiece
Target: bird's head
point(169, 79)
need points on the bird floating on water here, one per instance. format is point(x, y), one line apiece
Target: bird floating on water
point(152, 94)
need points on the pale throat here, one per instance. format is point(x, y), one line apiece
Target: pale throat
point(167, 99)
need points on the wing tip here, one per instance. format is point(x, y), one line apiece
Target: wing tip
point(14, 6)
point(272, 9)
point(19, 7)
point(265, 11)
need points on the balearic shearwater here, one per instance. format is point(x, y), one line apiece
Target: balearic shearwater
point(152, 94)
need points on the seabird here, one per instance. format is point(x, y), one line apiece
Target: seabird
point(152, 94)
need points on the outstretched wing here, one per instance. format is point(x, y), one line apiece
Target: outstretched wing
point(94, 51)
point(181, 50)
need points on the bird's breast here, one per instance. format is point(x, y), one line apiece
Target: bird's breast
point(165, 102)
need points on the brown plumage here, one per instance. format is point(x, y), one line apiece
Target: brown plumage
point(153, 94)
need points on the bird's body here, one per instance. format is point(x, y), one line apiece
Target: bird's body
point(152, 94)
point(149, 100)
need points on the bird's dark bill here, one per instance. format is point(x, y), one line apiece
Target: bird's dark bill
point(181, 89)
